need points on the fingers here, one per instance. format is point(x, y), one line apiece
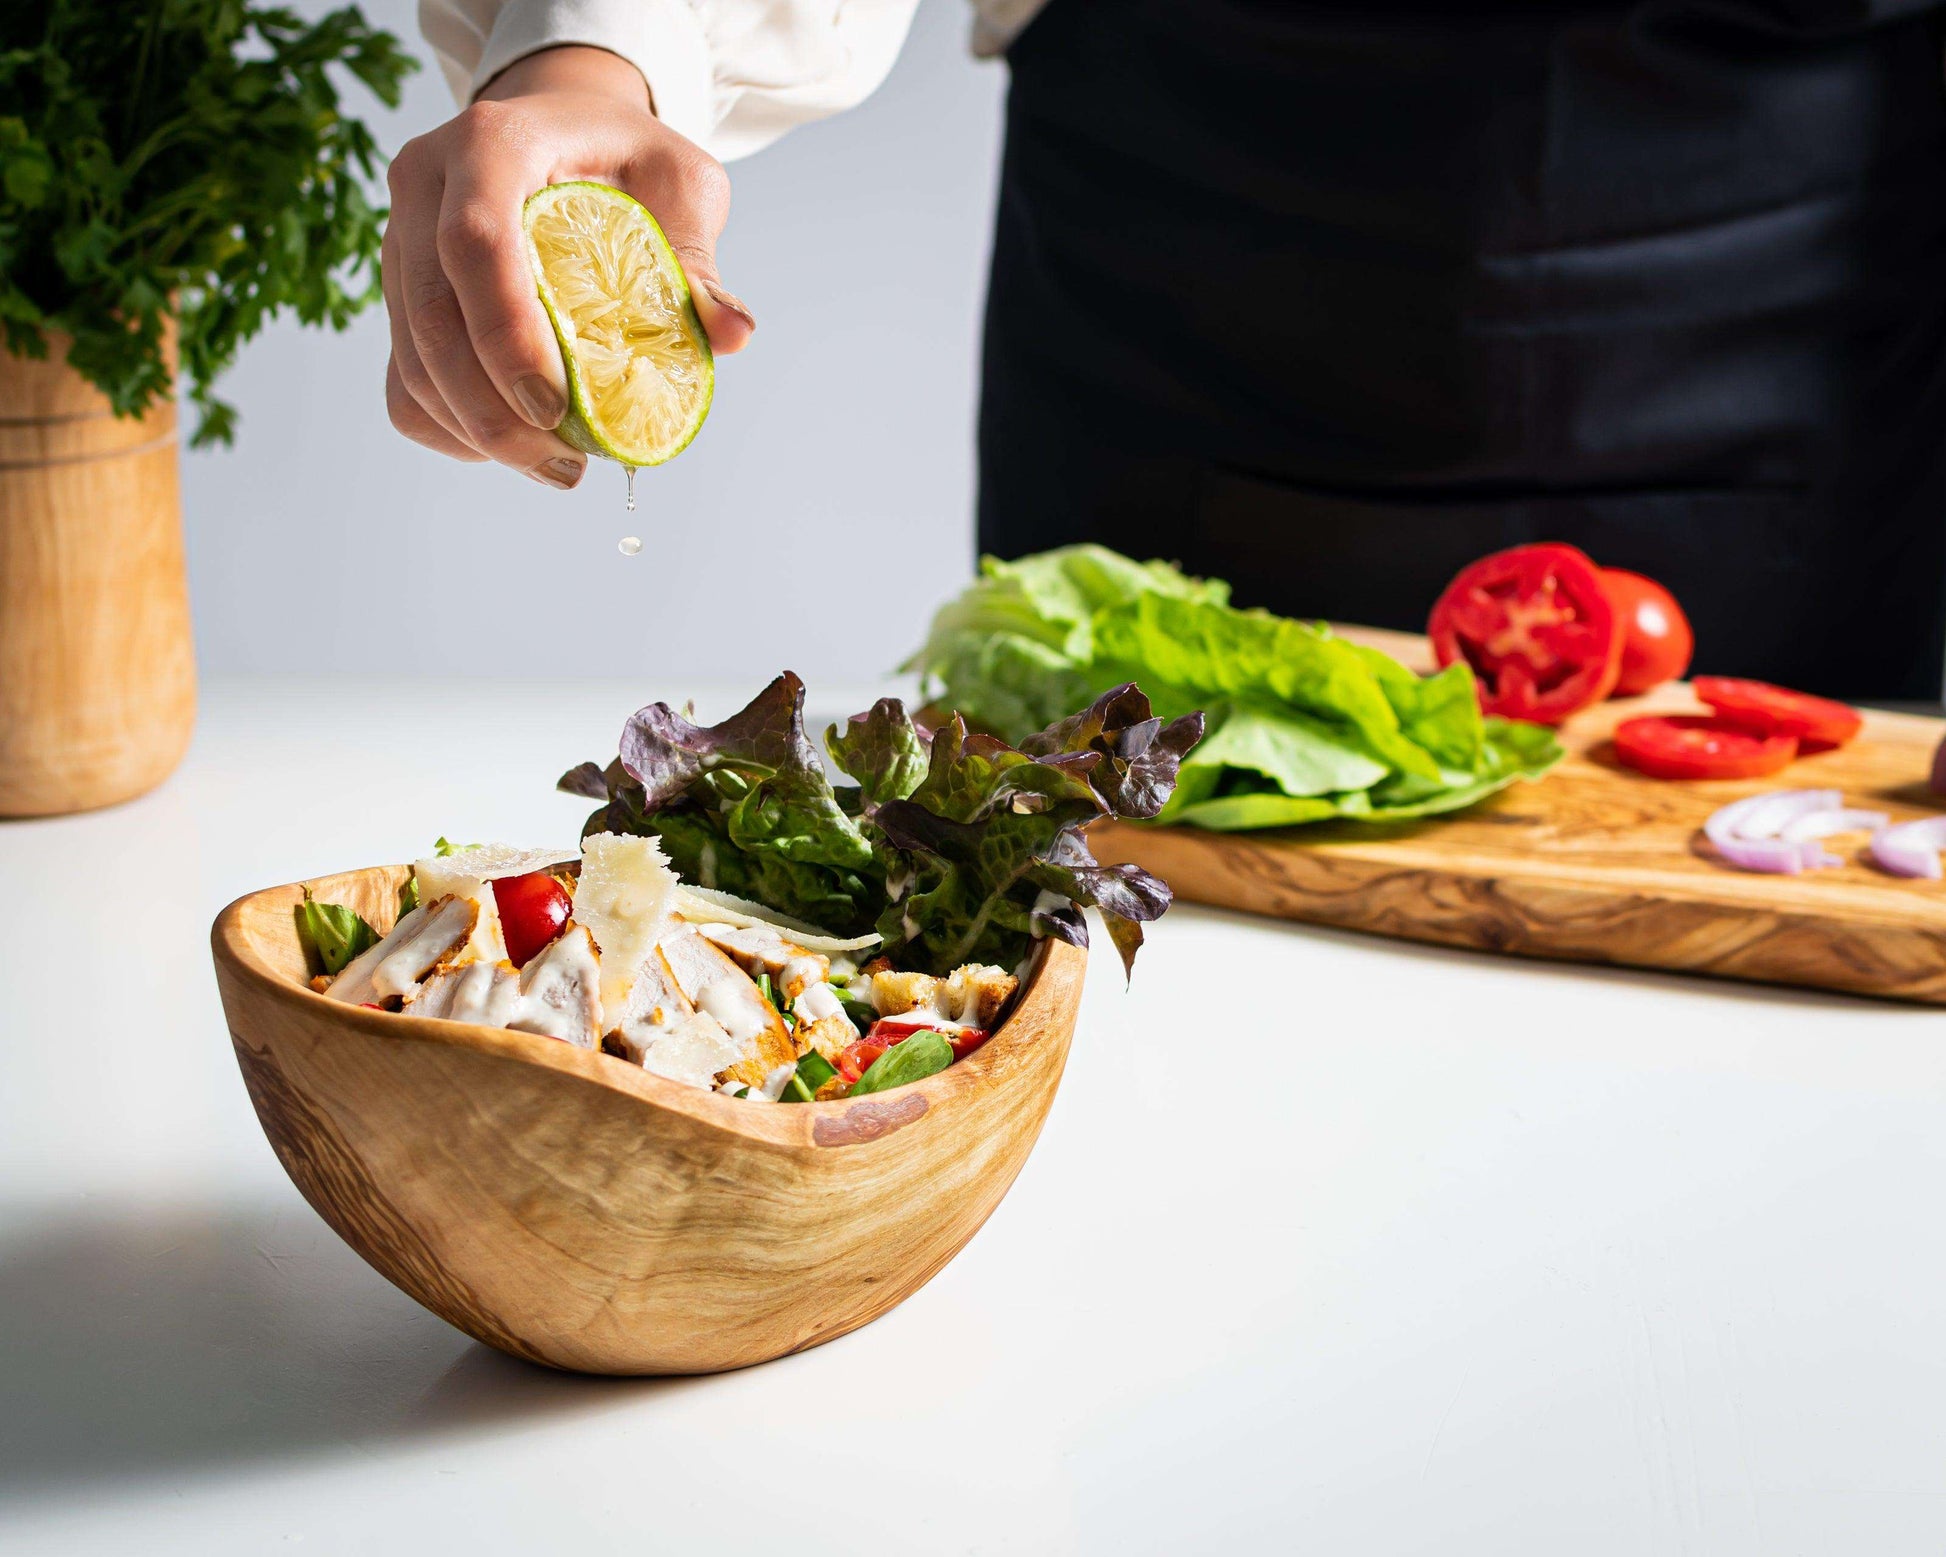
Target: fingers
point(689, 194)
point(413, 420)
point(483, 251)
point(415, 385)
point(437, 362)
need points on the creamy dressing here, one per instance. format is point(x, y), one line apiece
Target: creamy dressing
point(419, 942)
point(692, 1049)
point(802, 973)
point(816, 1003)
point(741, 1011)
point(486, 993)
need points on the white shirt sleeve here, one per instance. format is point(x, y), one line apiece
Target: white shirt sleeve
point(731, 75)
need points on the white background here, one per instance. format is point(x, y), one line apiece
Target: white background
point(825, 508)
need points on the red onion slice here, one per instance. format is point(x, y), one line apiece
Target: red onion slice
point(1822, 824)
point(1911, 848)
point(1939, 770)
point(1771, 813)
point(1745, 832)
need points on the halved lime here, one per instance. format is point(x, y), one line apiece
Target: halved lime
point(640, 374)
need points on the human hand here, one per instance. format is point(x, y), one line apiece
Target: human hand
point(475, 371)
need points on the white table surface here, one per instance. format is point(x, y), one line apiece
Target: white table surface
point(1446, 1254)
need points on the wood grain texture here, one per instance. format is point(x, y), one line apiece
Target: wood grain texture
point(1597, 864)
point(575, 1210)
point(97, 668)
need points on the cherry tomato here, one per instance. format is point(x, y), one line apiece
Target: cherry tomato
point(533, 909)
point(1692, 746)
point(1656, 638)
point(1537, 628)
point(1817, 722)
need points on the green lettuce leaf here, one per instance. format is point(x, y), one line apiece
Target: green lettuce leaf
point(882, 749)
point(1303, 725)
point(331, 934)
point(743, 806)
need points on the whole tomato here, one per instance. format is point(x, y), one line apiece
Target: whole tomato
point(533, 910)
point(1656, 641)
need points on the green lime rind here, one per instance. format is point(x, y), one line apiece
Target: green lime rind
point(580, 428)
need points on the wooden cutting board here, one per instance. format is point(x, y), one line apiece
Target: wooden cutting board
point(1595, 863)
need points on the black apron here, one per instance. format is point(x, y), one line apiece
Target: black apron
point(1328, 301)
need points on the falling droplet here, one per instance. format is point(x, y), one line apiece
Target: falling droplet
point(631, 497)
point(629, 545)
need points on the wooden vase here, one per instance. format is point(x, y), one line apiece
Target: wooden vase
point(97, 667)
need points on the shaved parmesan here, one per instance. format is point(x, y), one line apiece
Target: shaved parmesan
point(691, 1048)
point(464, 871)
point(704, 905)
point(626, 900)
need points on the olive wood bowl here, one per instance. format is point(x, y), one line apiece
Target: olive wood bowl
point(575, 1210)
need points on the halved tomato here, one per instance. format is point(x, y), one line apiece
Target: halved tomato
point(1693, 746)
point(1757, 705)
point(1535, 624)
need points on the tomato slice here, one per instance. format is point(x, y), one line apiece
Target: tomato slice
point(1656, 637)
point(1538, 629)
point(1694, 746)
point(1757, 705)
point(533, 910)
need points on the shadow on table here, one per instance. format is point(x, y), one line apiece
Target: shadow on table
point(194, 1338)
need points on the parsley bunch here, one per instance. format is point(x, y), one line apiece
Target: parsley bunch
point(182, 158)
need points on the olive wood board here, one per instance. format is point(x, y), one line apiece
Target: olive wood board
point(1595, 863)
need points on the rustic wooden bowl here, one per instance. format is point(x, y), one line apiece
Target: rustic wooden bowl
point(571, 1209)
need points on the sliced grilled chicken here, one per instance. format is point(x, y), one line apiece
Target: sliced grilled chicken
point(560, 991)
point(718, 988)
point(449, 933)
point(483, 992)
point(691, 1048)
point(760, 949)
point(654, 1004)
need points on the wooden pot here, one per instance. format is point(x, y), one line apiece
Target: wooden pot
point(97, 667)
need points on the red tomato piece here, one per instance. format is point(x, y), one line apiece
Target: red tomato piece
point(963, 1039)
point(1656, 637)
point(1691, 746)
point(1537, 628)
point(1817, 722)
point(856, 1058)
point(533, 910)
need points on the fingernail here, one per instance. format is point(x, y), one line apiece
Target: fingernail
point(732, 302)
point(540, 401)
point(562, 472)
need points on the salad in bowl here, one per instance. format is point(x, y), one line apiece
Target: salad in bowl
point(734, 920)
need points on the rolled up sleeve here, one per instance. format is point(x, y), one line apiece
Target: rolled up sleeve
point(731, 75)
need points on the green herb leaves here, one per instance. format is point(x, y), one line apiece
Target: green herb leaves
point(1303, 725)
point(956, 849)
point(185, 160)
point(330, 934)
point(914, 1059)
